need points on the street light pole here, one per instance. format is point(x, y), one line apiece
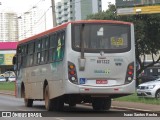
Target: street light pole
point(53, 13)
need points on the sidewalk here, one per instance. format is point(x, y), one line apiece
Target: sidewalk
point(6, 92)
point(117, 104)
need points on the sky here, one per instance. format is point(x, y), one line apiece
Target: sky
point(20, 6)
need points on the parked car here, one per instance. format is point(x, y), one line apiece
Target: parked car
point(8, 74)
point(12, 79)
point(149, 89)
point(147, 78)
point(2, 79)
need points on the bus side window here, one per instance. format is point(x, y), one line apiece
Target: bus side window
point(19, 60)
point(24, 55)
point(53, 44)
point(60, 46)
point(42, 57)
point(38, 51)
point(46, 49)
point(30, 54)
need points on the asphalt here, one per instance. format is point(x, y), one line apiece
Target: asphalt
point(117, 104)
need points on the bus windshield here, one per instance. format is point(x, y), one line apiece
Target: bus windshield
point(106, 37)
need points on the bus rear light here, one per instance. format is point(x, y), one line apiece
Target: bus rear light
point(73, 78)
point(129, 78)
point(71, 66)
point(130, 67)
point(72, 74)
point(130, 73)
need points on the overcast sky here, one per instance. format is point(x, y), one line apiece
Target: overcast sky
point(21, 6)
point(24, 5)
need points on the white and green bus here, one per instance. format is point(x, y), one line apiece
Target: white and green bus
point(89, 61)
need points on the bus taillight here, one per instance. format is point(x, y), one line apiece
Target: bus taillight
point(130, 73)
point(72, 74)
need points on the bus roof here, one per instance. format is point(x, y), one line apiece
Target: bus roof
point(60, 27)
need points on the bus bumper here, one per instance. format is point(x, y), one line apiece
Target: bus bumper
point(82, 89)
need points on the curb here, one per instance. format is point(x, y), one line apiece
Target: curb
point(4, 93)
point(133, 109)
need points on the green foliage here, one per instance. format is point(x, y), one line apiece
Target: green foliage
point(7, 86)
point(147, 33)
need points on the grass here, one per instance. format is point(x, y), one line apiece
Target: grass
point(135, 98)
point(7, 86)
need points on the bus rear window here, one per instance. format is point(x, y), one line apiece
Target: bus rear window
point(106, 37)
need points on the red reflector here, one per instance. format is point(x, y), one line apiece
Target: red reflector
point(116, 89)
point(130, 72)
point(86, 89)
point(72, 72)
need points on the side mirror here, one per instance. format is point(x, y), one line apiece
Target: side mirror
point(14, 60)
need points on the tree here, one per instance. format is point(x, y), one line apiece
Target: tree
point(147, 33)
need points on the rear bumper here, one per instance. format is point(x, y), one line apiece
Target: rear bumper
point(105, 90)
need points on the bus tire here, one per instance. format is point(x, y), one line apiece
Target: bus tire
point(28, 102)
point(72, 104)
point(101, 103)
point(108, 104)
point(58, 103)
point(48, 101)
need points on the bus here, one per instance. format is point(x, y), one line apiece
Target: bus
point(87, 61)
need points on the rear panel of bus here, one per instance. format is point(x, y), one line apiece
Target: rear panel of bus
point(108, 66)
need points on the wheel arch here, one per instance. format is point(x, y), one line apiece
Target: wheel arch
point(22, 89)
point(44, 86)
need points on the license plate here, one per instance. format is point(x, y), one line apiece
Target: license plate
point(101, 81)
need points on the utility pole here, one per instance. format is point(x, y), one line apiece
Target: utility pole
point(54, 13)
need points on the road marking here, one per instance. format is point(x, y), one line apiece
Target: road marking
point(116, 107)
point(59, 118)
point(21, 110)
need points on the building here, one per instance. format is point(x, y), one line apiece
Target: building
point(8, 27)
point(71, 10)
point(7, 51)
point(31, 23)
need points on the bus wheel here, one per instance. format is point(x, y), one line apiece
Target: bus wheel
point(48, 101)
point(28, 102)
point(72, 104)
point(58, 103)
point(101, 103)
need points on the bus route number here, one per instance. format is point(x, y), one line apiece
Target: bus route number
point(117, 42)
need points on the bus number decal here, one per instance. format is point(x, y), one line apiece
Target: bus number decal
point(103, 61)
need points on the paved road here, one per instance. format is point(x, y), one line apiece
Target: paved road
point(10, 103)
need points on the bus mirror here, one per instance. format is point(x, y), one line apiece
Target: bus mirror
point(14, 60)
